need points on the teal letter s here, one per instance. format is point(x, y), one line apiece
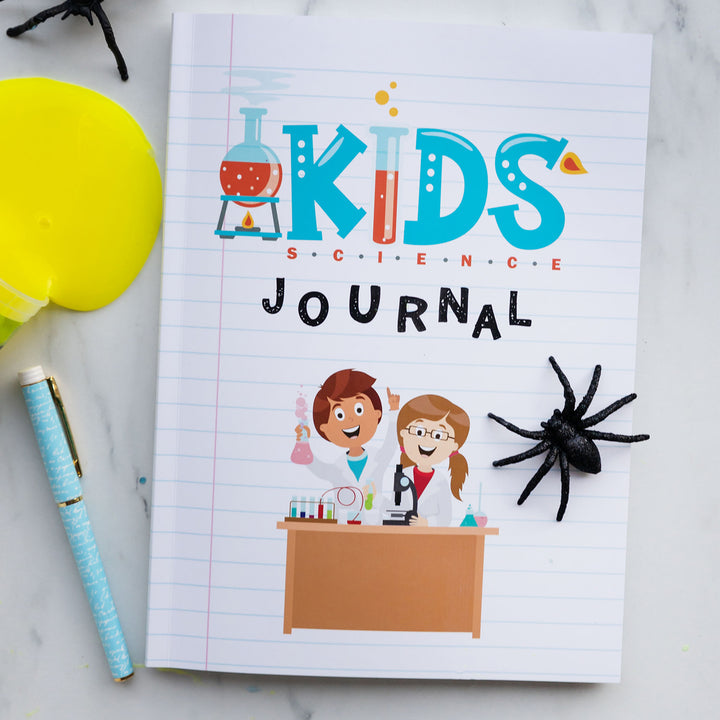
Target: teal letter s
point(507, 168)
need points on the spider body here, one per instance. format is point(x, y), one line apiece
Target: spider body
point(582, 453)
point(85, 8)
point(566, 437)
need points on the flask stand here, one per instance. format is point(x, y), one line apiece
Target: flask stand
point(254, 231)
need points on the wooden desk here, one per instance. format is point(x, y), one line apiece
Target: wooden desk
point(370, 577)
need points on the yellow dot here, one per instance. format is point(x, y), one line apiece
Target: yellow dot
point(393, 111)
point(393, 85)
point(381, 97)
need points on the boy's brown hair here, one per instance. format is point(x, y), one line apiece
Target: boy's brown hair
point(343, 384)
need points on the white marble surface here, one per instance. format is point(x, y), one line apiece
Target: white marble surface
point(51, 661)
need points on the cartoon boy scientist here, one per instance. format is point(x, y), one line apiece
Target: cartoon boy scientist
point(346, 412)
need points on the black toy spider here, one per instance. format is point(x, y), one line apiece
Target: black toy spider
point(565, 434)
point(77, 7)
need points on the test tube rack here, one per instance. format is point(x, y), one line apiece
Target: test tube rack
point(315, 510)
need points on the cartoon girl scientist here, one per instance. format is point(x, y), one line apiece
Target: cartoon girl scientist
point(431, 430)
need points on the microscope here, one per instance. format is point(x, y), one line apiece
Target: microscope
point(399, 515)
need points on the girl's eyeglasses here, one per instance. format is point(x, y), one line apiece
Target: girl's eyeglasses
point(420, 432)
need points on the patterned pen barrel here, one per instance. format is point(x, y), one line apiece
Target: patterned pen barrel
point(63, 470)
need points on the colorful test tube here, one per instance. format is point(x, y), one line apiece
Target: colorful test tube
point(387, 167)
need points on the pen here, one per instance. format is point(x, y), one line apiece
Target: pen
point(59, 456)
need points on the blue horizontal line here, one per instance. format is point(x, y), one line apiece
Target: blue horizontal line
point(592, 625)
point(284, 462)
point(420, 285)
point(226, 536)
point(204, 586)
point(221, 147)
point(287, 358)
point(407, 100)
point(294, 70)
point(253, 641)
point(361, 127)
point(214, 612)
point(216, 249)
point(423, 286)
point(487, 366)
point(341, 308)
point(218, 562)
point(215, 509)
point(403, 205)
point(429, 646)
point(455, 104)
point(406, 336)
point(529, 571)
point(510, 443)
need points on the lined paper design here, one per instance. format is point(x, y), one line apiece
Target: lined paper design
point(229, 373)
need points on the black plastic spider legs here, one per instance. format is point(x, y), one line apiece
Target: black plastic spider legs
point(564, 485)
point(85, 8)
point(76, 8)
point(532, 452)
point(609, 410)
point(110, 40)
point(35, 20)
point(597, 435)
point(590, 394)
point(565, 434)
point(567, 389)
point(530, 434)
point(541, 472)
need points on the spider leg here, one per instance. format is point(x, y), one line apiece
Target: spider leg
point(609, 410)
point(565, 485)
point(541, 472)
point(581, 409)
point(73, 10)
point(567, 389)
point(597, 435)
point(110, 40)
point(35, 20)
point(532, 452)
point(530, 434)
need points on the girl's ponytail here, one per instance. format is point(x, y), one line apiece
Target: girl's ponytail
point(458, 472)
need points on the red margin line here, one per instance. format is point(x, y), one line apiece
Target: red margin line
point(217, 377)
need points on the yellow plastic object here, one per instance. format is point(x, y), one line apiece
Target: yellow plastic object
point(80, 198)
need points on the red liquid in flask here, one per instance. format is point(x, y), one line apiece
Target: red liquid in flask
point(250, 179)
point(385, 217)
point(251, 169)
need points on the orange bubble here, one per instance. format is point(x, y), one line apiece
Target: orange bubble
point(393, 111)
point(393, 85)
point(381, 97)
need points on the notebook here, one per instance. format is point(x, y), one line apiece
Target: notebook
point(394, 254)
